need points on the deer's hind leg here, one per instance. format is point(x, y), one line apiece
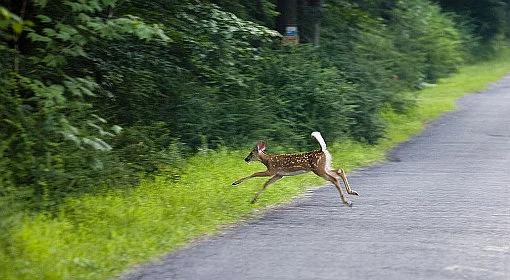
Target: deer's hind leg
point(340, 172)
point(335, 181)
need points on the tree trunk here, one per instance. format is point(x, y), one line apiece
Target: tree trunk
point(286, 22)
point(22, 12)
point(315, 7)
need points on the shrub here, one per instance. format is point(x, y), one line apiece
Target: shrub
point(428, 40)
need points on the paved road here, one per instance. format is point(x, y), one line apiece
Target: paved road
point(439, 210)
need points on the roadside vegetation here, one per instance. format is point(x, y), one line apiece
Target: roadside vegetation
point(97, 236)
point(123, 124)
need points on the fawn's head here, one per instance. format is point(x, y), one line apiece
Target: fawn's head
point(255, 152)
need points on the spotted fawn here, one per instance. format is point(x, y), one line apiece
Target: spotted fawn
point(278, 166)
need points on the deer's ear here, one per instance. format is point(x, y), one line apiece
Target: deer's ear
point(261, 146)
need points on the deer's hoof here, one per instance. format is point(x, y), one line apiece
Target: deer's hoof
point(354, 193)
point(348, 203)
point(235, 183)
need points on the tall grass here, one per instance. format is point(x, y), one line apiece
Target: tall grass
point(98, 236)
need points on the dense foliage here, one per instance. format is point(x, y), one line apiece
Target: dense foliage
point(490, 18)
point(99, 92)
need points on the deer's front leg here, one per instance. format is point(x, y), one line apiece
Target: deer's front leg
point(256, 174)
point(269, 182)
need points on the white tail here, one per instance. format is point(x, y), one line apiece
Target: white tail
point(278, 166)
point(321, 141)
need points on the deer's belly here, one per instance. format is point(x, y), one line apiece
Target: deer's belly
point(292, 173)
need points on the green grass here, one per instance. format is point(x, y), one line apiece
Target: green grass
point(99, 236)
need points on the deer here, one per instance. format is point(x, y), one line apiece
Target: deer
point(281, 165)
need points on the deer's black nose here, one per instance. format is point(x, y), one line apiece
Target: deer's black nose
point(246, 159)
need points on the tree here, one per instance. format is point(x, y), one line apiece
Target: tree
point(490, 17)
point(52, 138)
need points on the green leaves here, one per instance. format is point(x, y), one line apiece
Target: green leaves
point(128, 25)
point(44, 19)
point(428, 40)
point(38, 38)
point(88, 6)
point(11, 25)
point(102, 91)
point(56, 142)
point(97, 144)
point(80, 87)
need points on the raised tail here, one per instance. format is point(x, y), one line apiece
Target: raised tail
point(321, 141)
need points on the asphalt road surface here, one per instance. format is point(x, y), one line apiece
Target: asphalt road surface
point(439, 209)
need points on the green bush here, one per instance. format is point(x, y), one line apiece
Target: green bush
point(348, 41)
point(98, 93)
point(427, 39)
point(53, 142)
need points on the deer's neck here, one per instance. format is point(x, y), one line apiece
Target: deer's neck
point(264, 158)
